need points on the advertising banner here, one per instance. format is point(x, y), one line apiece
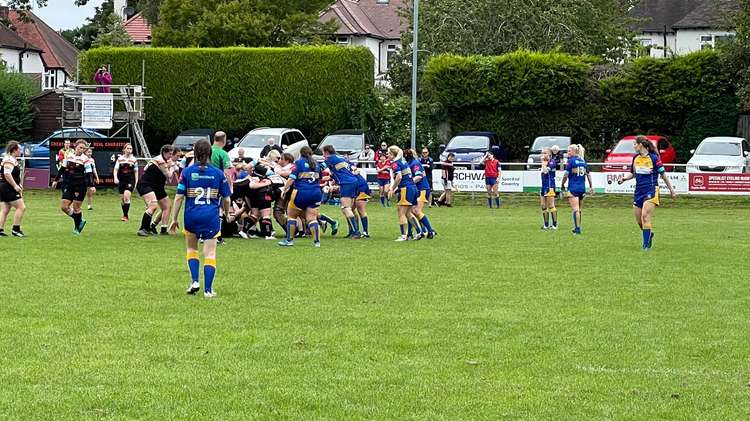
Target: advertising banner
point(720, 183)
point(97, 110)
point(105, 154)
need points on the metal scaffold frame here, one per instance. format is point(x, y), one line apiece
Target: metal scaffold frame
point(127, 120)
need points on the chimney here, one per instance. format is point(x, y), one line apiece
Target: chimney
point(4, 13)
point(119, 8)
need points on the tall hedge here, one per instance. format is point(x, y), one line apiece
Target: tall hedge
point(523, 95)
point(237, 89)
point(16, 114)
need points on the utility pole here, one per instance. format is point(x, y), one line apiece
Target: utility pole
point(414, 60)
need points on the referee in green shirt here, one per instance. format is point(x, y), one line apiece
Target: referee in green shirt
point(220, 159)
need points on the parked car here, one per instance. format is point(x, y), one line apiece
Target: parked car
point(348, 143)
point(291, 140)
point(721, 154)
point(185, 140)
point(39, 151)
point(470, 147)
point(619, 158)
point(541, 142)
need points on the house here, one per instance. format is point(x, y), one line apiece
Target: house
point(374, 24)
point(676, 27)
point(58, 59)
point(18, 55)
point(134, 24)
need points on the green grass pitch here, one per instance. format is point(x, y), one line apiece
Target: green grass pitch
point(492, 319)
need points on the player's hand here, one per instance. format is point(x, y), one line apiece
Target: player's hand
point(230, 218)
point(591, 192)
point(389, 193)
point(673, 194)
point(173, 227)
point(19, 189)
point(54, 185)
point(117, 181)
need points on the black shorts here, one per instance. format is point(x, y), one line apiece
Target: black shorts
point(89, 180)
point(126, 184)
point(8, 194)
point(261, 199)
point(241, 191)
point(144, 189)
point(74, 192)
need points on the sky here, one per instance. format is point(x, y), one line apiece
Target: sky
point(64, 14)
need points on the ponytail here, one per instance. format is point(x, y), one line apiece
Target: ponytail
point(646, 143)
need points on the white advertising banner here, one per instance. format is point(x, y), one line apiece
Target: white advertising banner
point(97, 110)
point(473, 181)
point(609, 182)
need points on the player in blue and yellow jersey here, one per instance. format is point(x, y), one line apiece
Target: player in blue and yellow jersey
point(577, 172)
point(646, 169)
point(304, 186)
point(423, 187)
point(348, 184)
point(205, 190)
point(548, 192)
point(403, 187)
point(360, 202)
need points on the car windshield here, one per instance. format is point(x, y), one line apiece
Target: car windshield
point(625, 147)
point(346, 143)
point(188, 140)
point(255, 140)
point(719, 148)
point(468, 144)
point(547, 142)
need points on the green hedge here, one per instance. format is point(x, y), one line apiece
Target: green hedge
point(16, 114)
point(523, 94)
point(238, 89)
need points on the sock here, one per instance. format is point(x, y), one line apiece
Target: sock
point(327, 219)
point(410, 229)
point(125, 209)
point(194, 264)
point(16, 228)
point(426, 227)
point(403, 229)
point(77, 220)
point(646, 238)
point(209, 271)
point(553, 211)
point(163, 229)
point(489, 202)
point(365, 224)
point(146, 221)
point(416, 224)
point(382, 200)
point(266, 226)
point(575, 220)
point(291, 229)
point(497, 202)
point(545, 215)
point(315, 231)
point(354, 225)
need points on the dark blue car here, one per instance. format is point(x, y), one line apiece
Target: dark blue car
point(470, 147)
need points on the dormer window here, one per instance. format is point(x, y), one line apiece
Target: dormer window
point(381, 1)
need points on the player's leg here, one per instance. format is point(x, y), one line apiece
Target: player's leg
point(312, 215)
point(126, 196)
point(4, 211)
point(496, 193)
point(545, 211)
point(20, 209)
point(165, 205)
point(90, 197)
point(193, 261)
point(648, 234)
point(552, 210)
point(78, 215)
point(402, 211)
point(266, 226)
point(488, 187)
point(427, 230)
point(151, 205)
point(576, 209)
point(291, 225)
point(364, 220)
point(209, 267)
point(348, 212)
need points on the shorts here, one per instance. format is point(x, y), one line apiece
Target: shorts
point(424, 196)
point(407, 196)
point(550, 192)
point(579, 194)
point(8, 194)
point(363, 191)
point(490, 181)
point(647, 197)
point(260, 199)
point(447, 184)
point(305, 199)
point(126, 184)
point(349, 190)
point(144, 189)
point(281, 203)
point(89, 180)
point(240, 192)
point(205, 234)
point(382, 182)
point(74, 192)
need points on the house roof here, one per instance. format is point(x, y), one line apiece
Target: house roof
point(138, 29)
point(366, 17)
point(57, 52)
point(654, 15)
point(710, 14)
point(10, 39)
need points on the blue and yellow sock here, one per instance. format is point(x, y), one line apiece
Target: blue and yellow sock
point(315, 230)
point(426, 227)
point(553, 212)
point(411, 227)
point(403, 229)
point(209, 272)
point(194, 264)
point(353, 226)
point(545, 216)
point(291, 229)
point(327, 219)
point(365, 224)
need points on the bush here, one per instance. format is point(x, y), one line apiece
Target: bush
point(16, 114)
point(238, 89)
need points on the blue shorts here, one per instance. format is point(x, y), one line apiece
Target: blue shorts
point(363, 190)
point(383, 183)
point(407, 196)
point(646, 197)
point(490, 181)
point(202, 229)
point(579, 194)
point(349, 190)
point(305, 199)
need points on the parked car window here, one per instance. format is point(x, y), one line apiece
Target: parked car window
point(286, 139)
point(625, 147)
point(719, 148)
point(253, 141)
point(468, 142)
point(298, 137)
point(745, 146)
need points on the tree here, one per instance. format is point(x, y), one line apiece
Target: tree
point(736, 54)
point(113, 34)
point(494, 27)
point(16, 114)
point(84, 36)
point(252, 23)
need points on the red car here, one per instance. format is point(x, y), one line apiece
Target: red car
point(620, 158)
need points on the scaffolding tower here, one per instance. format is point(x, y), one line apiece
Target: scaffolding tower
point(128, 116)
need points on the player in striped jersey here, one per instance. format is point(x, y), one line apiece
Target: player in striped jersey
point(126, 177)
point(74, 190)
point(11, 191)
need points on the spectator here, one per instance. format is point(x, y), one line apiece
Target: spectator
point(366, 157)
point(270, 146)
point(104, 79)
point(383, 150)
point(427, 164)
point(446, 199)
point(557, 156)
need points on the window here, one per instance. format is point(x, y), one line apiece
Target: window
point(342, 40)
point(381, 1)
point(286, 139)
point(391, 54)
point(50, 79)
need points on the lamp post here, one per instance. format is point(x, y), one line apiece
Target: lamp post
point(414, 58)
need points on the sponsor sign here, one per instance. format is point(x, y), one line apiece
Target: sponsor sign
point(105, 155)
point(719, 183)
point(96, 110)
point(609, 182)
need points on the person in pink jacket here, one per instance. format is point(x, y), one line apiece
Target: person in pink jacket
point(104, 78)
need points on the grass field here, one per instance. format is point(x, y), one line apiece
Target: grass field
point(493, 319)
